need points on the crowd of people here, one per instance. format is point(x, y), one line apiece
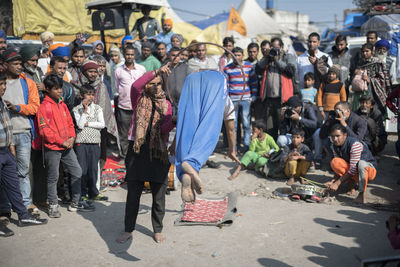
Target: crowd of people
point(60, 104)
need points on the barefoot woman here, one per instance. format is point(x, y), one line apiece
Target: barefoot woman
point(147, 158)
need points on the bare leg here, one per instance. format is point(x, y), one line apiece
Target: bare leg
point(187, 190)
point(361, 198)
point(236, 173)
point(351, 184)
point(188, 169)
point(159, 238)
point(290, 181)
point(124, 237)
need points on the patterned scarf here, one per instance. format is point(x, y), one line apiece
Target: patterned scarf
point(157, 147)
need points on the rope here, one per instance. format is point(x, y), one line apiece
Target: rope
point(314, 183)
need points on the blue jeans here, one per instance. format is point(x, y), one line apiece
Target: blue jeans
point(284, 140)
point(244, 106)
point(22, 142)
point(319, 144)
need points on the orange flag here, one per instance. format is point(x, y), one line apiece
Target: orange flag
point(235, 23)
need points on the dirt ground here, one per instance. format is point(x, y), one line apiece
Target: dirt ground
point(268, 231)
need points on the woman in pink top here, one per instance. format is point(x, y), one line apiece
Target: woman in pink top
point(147, 158)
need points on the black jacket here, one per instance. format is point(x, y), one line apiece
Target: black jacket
point(308, 123)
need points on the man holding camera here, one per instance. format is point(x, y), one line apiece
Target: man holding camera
point(294, 115)
point(354, 124)
point(277, 70)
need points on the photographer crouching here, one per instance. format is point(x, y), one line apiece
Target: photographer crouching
point(295, 115)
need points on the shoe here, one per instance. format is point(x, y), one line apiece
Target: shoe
point(33, 210)
point(5, 214)
point(81, 206)
point(100, 197)
point(31, 221)
point(212, 164)
point(4, 230)
point(66, 200)
point(54, 212)
point(317, 165)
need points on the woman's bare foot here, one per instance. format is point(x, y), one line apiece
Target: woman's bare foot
point(124, 237)
point(236, 173)
point(159, 238)
point(361, 198)
point(302, 181)
point(187, 191)
point(198, 185)
point(290, 181)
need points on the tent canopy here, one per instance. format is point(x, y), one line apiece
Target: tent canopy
point(202, 24)
point(384, 25)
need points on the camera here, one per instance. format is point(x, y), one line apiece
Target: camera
point(275, 51)
point(334, 114)
point(289, 112)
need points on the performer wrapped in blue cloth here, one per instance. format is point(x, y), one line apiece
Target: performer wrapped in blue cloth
point(200, 117)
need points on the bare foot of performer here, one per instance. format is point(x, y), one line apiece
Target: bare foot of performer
point(361, 198)
point(188, 169)
point(290, 181)
point(187, 193)
point(159, 238)
point(124, 237)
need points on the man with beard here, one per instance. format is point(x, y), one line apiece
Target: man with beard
point(162, 52)
point(376, 137)
point(30, 57)
point(147, 60)
point(90, 76)
point(381, 52)
point(77, 58)
point(340, 56)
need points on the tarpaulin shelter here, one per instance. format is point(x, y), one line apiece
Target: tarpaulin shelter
point(384, 25)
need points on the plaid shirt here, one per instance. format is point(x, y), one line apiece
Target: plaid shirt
point(5, 126)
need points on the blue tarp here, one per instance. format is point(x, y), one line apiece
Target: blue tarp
point(202, 24)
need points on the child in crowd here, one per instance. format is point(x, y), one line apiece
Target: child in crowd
point(260, 149)
point(89, 119)
point(331, 91)
point(297, 157)
point(57, 132)
point(308, 94)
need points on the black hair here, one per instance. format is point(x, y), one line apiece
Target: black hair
point(265, 42)
point(368, 46)
point(314, 34)
point(367, 98)
point(340, 38)
point(277, 39)
point(86, 88)
point(175, 49)
point(298, 131)
point(128, 47)
point(3, 76)
point(373, 32)
point(55, 59)
point(253, 45)
point(344, 104)
point(309, 75)
point(161, 43)
point(77, 48)
point(339, 127)
point(259, 124)
point(52, 81)
point(237, 49)
point(228, 40)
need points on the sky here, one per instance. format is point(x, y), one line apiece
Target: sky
point(318, 10)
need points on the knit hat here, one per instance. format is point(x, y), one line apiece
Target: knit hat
point(336, 69)
point(46, 36)
point(89, 64)
point(10, 54)
point(294, 102)
point(177, 36)
point(3, 35)
point(382, 43)
point(114, 50)
point(169, 21)
point(28, 51)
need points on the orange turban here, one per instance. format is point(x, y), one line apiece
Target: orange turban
point(55, 46)
point(169, 21)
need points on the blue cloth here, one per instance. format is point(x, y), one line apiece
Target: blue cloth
point(3, 34)
point(200, 116)
point(383, 43)
point(62, 51)
point(308, 94)
point(127, 37)
point(164, 38)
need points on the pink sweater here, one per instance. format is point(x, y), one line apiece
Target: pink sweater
point(136, 92)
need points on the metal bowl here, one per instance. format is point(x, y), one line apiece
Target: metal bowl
point(309, 190)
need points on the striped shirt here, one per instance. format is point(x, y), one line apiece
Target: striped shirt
point(234, 78)
point(355, 156)
point(5, 126)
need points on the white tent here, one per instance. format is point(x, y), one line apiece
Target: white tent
point(384, 25)
point(170, 12)
point(257, 21)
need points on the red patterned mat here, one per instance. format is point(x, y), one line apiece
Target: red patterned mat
point(204, 210)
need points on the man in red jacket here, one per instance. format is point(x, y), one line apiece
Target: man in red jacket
point(58, 135)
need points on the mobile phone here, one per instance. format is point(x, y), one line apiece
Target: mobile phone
point(311, 53)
